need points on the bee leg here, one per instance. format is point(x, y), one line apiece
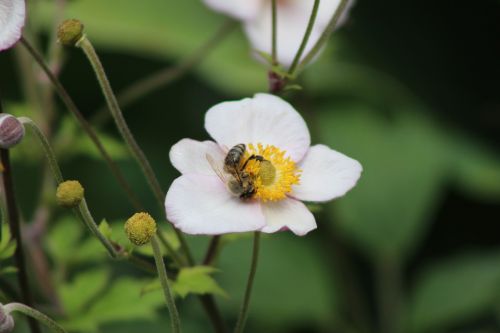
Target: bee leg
point(252, 157)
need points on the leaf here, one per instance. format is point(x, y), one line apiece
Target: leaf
point(8, 270)
point(64, 236)
point(163, 29)
point(455, 291)
point(105, 229)
point(197, 280)
point(7, 245)
point(404, 172)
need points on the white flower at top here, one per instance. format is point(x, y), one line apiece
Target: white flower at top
point(12, 15)
point(292, 19)
point(278, 168)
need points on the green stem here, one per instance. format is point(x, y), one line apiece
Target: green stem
point(305, 39)
point(32, 313)
point(15, 229)
point(68, 101)
point(162, 274)
point(170, 74)
point(240, 324)
point(274, 15)
point(212, 250)
point(326, 34)
point(85, 44)
point(389, 292)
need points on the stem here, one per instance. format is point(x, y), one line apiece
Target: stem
point(240, 324)
point(34, 314)
point(92, 225)
point(305, 39)
point(389, 290)
point(162, 274)
point(170, 74)
point(274, 14)
point(85, 44)
point(15, 229)
point(326, 33)
point(212, 250)
point(68, 101)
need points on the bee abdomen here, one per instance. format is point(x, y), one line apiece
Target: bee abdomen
point(234, 155)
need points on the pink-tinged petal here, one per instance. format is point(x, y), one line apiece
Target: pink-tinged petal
point(239, 9)
point(288, 214)
point(12, 15)
point(326, 175)
point(293, 18)
point(265, 119)
point(198, 204)
point(190, 156)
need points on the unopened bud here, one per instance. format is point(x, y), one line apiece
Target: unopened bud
point(11, 131)
point(6, 321)
point(140, 228)
point(69, 193)
point(69, 32)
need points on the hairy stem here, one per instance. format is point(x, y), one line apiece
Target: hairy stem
point(274, 15)
point(240, 324)
point(34, 314)
point(169, 298)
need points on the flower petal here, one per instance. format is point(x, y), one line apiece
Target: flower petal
point(240, 9)
point(12, 15)
point(198, 204)
point(190, 156)
point(290, 214)
point(292, 19)
point(265, 119)
point(326, 174)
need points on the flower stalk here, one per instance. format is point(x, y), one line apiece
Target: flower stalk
point(274, 18)
point(34, 315)
point(240, 324)
point(162, 274)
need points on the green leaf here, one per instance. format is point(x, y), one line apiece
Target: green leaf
point(163, 29)
point(404, 172)
point(8, 270)
point(455, 291)
point(197, 280)
point(64, 236)
point(105, 229)
point(7, 245)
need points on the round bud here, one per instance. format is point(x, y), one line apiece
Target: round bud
point(11, 131)
point(6, 321)
point(69, 193)
point(140, 228)
point(69, 32)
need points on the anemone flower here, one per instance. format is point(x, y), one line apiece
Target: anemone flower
point(292, 19)
point(257, 172)
point(12, 14)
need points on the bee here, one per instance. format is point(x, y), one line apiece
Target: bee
point(238, 181)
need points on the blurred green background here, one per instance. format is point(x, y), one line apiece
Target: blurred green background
point(411, 89)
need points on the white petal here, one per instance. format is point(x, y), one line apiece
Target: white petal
point(189, 156)
point(240, 9)
point(265, 119)
point(293, 17)
point(288, 214)
point(12, 14)
point(326, 174)
point(198, 204)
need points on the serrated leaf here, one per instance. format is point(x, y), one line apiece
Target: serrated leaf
point(455, 291)
point(197, 280)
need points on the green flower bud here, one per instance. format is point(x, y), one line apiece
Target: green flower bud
point(11, 131)
point(140, 228)
point(6, 321)
point(69, 193)
point(70, 32)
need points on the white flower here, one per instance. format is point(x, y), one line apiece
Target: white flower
point(200, 202)
point(292, 19)
point(12, 14)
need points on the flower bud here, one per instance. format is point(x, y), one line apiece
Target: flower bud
point(6, 321)
point(69, 193)
point(70, 32)
point(140, 228)
point(11, 131)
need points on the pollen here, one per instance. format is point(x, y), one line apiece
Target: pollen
point(274, 175)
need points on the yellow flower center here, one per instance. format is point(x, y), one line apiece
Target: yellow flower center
point(274, 175)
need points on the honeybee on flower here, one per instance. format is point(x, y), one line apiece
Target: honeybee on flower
point(274, 155)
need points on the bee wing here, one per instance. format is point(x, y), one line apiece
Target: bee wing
point(215, 167)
